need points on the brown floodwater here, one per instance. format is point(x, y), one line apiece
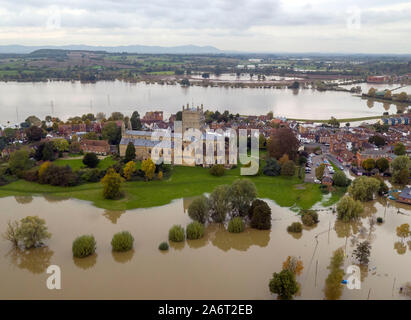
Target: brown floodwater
point(219, 266)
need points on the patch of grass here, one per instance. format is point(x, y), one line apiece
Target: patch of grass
point(336, 195)
point(77, 164)
point(184, 182)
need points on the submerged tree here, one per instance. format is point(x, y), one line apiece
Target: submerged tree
point(362, 252)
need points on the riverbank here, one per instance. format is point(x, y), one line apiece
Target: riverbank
point(184, 182)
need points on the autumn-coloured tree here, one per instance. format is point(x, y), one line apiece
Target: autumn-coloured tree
point(149, 168)
point(112, 184)
point(284, 159)
point(319, 171)
point(403, 231)
point(294, 265)
point(388, 94)
point(43, 168)
point(129, 169)
point(160, 175)
point(372, 92)
point(283, 141)
point(368, 164)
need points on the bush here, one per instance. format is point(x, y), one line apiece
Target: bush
point(309, 217)
point(295, 227)
point(84, 246)
point(195, 230)
point(288, 168)
point(91, 175)
point(340, 179)
point(217, 170)
point(349, 209)
point(58, 176)
point(91, 160)
point(176, 234)
point(122, 241)
point(236, 225)
point(380, 220)
point(261, 215)
point(112, 185)
point(163, 246)
point(199, 209)
point(284, 284)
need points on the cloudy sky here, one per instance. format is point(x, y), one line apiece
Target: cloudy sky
point(368, 26)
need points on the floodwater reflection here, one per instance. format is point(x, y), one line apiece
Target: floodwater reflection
point(400, 247)
point(23, 199)
point(35, 260)
point(123, 257)
point(87, 262)
point(113, 215)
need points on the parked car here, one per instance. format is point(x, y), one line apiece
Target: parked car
point(317, 181)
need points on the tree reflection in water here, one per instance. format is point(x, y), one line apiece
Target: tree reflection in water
point(113, 215)
point(23, 199)
point(346, 229)
point(87, 262)
point(225, 240)
point(35, 260)
point(123, 257)
point(177, 245)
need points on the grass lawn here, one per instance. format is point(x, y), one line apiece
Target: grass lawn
point(184, 182)
point(336, 195)
point(77, 164)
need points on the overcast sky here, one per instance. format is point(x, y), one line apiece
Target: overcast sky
point(367, 26)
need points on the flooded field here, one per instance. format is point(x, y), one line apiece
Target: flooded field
point(66, 99)
point(219, 266)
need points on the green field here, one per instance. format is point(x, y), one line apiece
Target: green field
point(184, 182)
point(77, 164)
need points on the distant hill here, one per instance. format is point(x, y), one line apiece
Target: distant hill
point(188, 49)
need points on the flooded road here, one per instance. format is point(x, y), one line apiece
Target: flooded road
point(219, 266)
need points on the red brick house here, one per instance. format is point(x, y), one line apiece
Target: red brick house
point(96, 146)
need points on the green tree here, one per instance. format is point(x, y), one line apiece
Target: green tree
point(378, 140)
point(130, 152)
point(19, 161)
point(34, 133)
point(194, 230)
point(135, 121)
point(284, 284)
point(349, 209)
point(272, 167)
point(112, 182)
point(401, 177)
point(382, 164)
point(368, 164)
point(32, 231)
point(90, 160)
point(242, 193)
point(47, 151)
point(199, 209)
point(399, 149)
point(333, 286)
point(220, 202)
point(112, 133)
point(401, 162)
point(334, 122)
point(261, 215)
point(403, 97)
point(61, 145)
point(340, 179)
point(362, 252)
point(364, 188)
point(319, 171)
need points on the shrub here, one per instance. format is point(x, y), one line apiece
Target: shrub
point(284, 284)
point(112, 185)
point(261, 215)
point(195, 230)
point(91, 175)
point(84, 246)
point(163, 246)
point(272, 167)
point(340, 179)
point(288, 168)
point(122, 241)
point(91, 160)
point(199, 209)
point(295, 227)
point(309, 217)
point(380, 220)
point(236, 225)
point(176, 233)
point(242, 193)
point(349, 209)
point(58, 176)
point(217, 170)
point(31, 175)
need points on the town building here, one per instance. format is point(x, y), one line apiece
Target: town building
point(96, 146)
